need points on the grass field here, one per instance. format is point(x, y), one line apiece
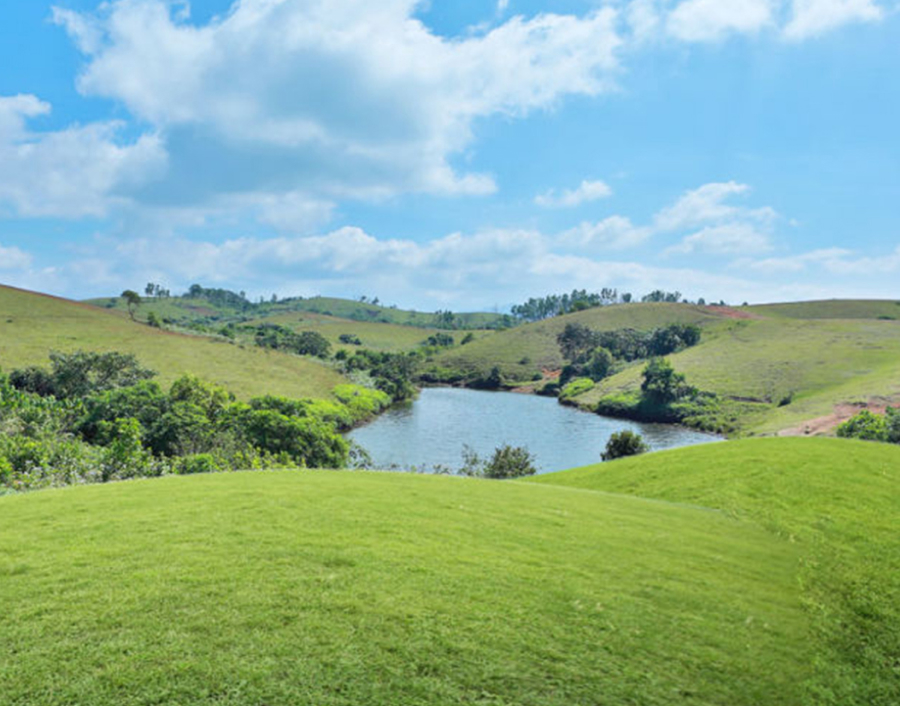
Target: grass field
point(393, 338)
point(31, 325)
point(366, 588)
point(836, 503)
point(831, 309)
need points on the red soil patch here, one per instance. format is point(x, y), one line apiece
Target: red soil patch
point(842, 412)
point(730, 313)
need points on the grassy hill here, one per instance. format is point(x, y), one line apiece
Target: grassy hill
point(776, 366)
point(366, 588)
point(31, 325)
point(832, 309)
point(393, 338)
point(836, 503)
point(187, 310)
point(522, 351)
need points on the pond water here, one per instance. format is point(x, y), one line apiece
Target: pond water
point(433, 429)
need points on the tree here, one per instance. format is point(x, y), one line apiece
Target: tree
point(866, 426)
point(132, 300)
point(662, 384)
point(575, 341)
point(624, 443)
point(510, 462)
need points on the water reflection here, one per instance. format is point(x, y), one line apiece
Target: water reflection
point(433, 429)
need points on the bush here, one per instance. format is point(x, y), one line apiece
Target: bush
point(624, 443)
point(577, 387)
point(866, 426)
point(510, 462)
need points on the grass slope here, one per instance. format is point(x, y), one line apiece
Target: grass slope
point(524, 350)
point(33, 324)
point(831, 309)
point(365, 588)
point(836, 502)
point(814, 363)
point(393, 338)
point(201, 309)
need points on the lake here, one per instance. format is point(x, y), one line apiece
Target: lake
point(433, 429)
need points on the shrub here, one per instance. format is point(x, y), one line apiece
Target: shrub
point(866, 426)
point(577, 387)
point(510, 462)
point(624, 443)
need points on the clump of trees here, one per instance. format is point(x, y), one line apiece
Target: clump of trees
point(873, 427)
point(95, 417)
point(593, 354)
point(539, 308)
point(277, 337)
point(392, 373)
point(624, 443)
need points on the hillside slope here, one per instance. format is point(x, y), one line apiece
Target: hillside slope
point(31, 325)
point(836, 502)
point(365, 588)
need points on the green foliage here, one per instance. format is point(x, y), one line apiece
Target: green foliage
point(278, 337)
point(76, 375)
point(869, 426)
point(510, 462)
point(865, 425)
point(132, 301)
point(576, 387)
point(153, 320)
point(624, 443)
point(439, 340)
point(662, 385)
point(392, 372)
point(350, 339)
point(536, 309)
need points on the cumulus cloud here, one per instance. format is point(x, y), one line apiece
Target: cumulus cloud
point(811, 18)
point(726, 239)
point(72, 173)
point(336, 98)
point(613, 233)
point(568, 198)
point(713, 20)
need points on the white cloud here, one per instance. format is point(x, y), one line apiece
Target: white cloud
point(811, 18)
point(701, 205)
point(726, 239)
point(613, 233)
point(71, 173)
point(586, 191)
point(12, 258)
point(331, 98)
point(713, 20)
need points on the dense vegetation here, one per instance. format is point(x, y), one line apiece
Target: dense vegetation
point(97, 417)
point(873, 427)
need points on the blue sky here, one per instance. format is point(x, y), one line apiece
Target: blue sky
point(452, 155)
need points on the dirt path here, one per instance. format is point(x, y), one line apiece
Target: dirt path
point(842, 412)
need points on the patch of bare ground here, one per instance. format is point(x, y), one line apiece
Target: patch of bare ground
point(821, 426)
point(731, 313)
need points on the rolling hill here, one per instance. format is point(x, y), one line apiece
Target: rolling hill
point(31, 325)
point(836, 502)
point(762, 571)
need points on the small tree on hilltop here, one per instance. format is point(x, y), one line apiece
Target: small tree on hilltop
point(624, 443)
point(132, 301)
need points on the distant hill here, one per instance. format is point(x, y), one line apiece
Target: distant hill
point(31, 325)
point(217, 307)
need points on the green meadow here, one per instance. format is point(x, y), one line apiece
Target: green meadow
point(366, 588)
point(835, 502)
point(31, 325)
